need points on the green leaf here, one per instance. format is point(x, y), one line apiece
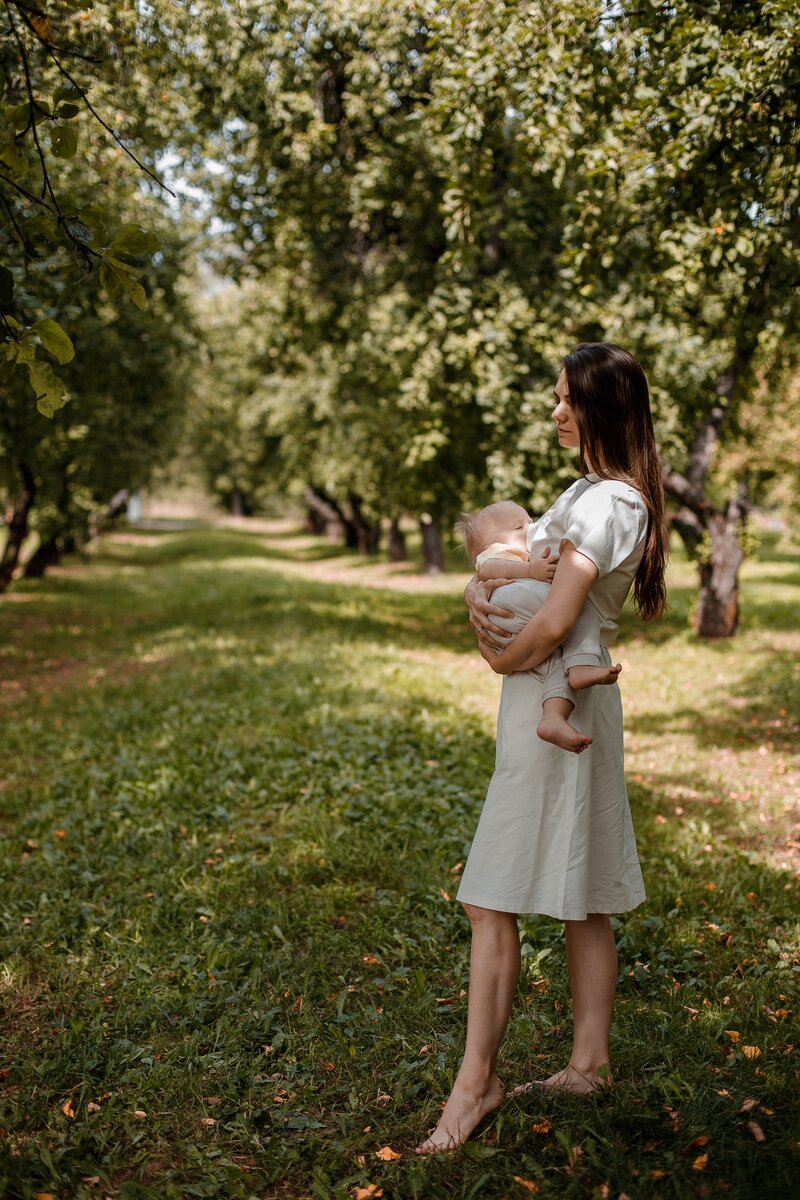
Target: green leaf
point(8, 361)
point(116, 278)
point(54, 339)
point(65, 111)
point(131, 238)
point(50, 391)
point(64, 141)
point(67, 91)
point(6, 287)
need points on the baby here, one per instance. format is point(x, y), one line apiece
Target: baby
point(496, 540)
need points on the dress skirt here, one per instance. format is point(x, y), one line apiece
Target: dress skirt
point(555, 835)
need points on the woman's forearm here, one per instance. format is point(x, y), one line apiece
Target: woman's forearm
point(568, 592)
point(530, 647)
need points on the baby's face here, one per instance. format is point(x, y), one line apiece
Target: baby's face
point(508, 522)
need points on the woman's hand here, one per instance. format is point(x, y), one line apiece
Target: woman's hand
point(477, 596)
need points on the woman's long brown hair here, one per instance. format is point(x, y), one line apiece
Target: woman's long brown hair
point(609, 396)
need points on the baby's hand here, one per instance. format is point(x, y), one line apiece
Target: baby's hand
point(544, 567)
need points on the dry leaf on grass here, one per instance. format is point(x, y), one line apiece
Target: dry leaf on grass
point(387, 1154)
point(366, 1193)
point(700, 1162)
point(543, 1126)
point(756, 1131)
point(528, 1184)
point(747, 1105)
point(67, 1109)
point(751, 1051)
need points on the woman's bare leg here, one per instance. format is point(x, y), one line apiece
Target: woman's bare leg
point(592, 967)
point(493, 976)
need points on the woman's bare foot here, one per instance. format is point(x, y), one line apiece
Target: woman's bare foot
point(558, 730)
point(463, 1112)
point(585, 676)
point(578, 1083)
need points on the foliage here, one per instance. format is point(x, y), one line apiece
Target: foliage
point(236, 797)
point(449, 198)
point(58, 153)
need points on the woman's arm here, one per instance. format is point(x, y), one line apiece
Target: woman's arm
point(571, 585)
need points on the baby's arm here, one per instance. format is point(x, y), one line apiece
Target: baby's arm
point(542, 568)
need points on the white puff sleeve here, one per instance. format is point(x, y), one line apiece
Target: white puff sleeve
point(607, 523)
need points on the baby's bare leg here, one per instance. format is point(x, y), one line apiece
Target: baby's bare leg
point(554, 726)
point(584, 676)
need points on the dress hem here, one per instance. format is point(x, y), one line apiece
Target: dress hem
point(547, 910)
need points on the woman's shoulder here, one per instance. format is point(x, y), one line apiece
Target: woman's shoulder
point(617, 488)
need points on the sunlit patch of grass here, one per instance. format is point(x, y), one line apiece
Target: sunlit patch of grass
point(240, 776)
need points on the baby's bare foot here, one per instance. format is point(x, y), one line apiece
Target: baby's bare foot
point(559, 731)
point(464, 1111)
point(585, 676)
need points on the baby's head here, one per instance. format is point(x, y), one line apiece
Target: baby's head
point(504, 521)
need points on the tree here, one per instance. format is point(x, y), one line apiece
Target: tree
point(80, 254)
point(696, 201)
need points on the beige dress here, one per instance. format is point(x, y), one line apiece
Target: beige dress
point(555, 834)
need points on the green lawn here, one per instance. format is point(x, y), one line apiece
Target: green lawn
point(240, 774)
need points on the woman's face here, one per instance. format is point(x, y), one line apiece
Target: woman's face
point(566, 425)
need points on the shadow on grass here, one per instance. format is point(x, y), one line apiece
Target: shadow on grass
point(761, 710)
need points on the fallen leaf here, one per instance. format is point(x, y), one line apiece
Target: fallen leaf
point(383, 1099)
point(426, 1049)
point(140, 1113)
point(92, 1107)
point(757, 1132)
point(387, 1154)
point(700, 1162)
point(543, 1126)
point(371, 1189)
point(67, 1109)
point(751, 1051)
point(733, 1034)
point(702, 1140)
point(43, 1196)
point(327, 1066)
point(208, 1121)
point(455, 870)
point(656, 1174)
point(747, 1105)
point(528, 1184)
point(445, 895)
point(372, 959)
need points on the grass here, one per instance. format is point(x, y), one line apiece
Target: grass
point(240, 774)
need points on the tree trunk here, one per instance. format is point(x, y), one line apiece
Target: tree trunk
point(327, 512)
point(717, 612)
point(48, 554)
point(396, 542)
point(368, 533)
point(432, 553)
point(699, 521)
point(17, 526)
point(237, 508)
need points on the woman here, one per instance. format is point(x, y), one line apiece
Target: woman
point(555, 834)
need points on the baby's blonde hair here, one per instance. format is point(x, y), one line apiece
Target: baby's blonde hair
point(467, 528)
